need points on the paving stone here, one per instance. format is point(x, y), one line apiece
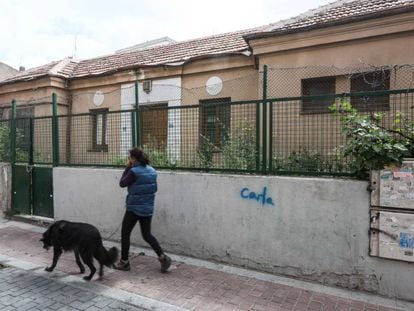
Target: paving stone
point(187, 285)
point(49, 296)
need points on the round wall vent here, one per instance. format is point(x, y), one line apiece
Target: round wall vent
point(214, 85)
point(98, 98)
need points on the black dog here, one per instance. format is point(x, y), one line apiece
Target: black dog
point(84, 239)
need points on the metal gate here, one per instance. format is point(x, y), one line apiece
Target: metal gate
point(32, 171)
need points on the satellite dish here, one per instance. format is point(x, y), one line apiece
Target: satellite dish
point(98, 98)
point(214, 85)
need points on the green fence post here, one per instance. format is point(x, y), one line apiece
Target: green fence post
point(133, 129)
point(55, 132)
point(13, 133)
point(137, 117)
point(270, 168)
point(264, 118)
point(31, 140)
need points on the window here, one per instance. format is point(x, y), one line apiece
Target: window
point(99, 124)
point(317, 86)
point(369, 82)
point(215, 121)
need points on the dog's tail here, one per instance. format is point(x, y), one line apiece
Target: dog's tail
point(108, 258)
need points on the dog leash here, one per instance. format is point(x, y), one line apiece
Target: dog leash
point(113, 233)
point(131, 256)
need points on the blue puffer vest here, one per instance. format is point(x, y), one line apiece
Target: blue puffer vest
point(141, 194)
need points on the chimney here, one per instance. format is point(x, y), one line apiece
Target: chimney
point(21, 68)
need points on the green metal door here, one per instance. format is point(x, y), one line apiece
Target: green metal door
point(21, 187)
point(32, 184)
point(33, 190)
point(42, 191)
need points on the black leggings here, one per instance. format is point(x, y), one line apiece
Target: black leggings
point(128, 224)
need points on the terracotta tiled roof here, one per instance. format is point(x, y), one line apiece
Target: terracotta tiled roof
point(336, 12)
point(63, 68)
point(175, 53)
point(172, 54)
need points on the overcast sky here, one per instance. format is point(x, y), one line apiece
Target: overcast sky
point(34, 32)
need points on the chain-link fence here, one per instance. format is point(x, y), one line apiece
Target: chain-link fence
point(208, 136)
point(305, 136)
point(272, 121)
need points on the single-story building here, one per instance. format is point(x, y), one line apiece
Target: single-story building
point(337, 48)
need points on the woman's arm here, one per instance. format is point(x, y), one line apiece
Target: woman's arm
point(127, 179)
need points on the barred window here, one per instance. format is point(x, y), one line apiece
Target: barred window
point(317, 86)
point(215, 120)
point(99, 125)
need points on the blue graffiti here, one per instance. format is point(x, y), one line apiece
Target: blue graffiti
point(262, 197)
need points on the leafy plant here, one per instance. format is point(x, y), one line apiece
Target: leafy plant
point(302, 160)
point(239, 150)
point(5, 151)
point(205, 153)
point(5, 154)
point(306, 160)
point(158, 153)
point(118, 161)
point(370, 144)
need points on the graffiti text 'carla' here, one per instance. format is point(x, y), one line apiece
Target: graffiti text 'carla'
point(262, 197)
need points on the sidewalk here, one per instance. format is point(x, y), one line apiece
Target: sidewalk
point(22, 290)
point(191, 284)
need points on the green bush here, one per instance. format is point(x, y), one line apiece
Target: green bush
point(239, 150)
point(158, 153)
point(301, 160)
point(4, 143)
point(306, 160)
point(21, 148)
point(370, 144)
point(118, 161)
point(205, 153)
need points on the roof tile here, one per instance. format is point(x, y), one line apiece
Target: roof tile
point(341, 10)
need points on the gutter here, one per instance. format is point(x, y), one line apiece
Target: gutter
point(32, 78)
point(245, 52)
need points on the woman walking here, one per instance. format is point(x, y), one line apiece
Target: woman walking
point(141, 180)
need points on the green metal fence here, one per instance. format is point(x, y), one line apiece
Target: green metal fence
point(278, 137)
point(210, 136)
point(273, 134)
point(306, 142)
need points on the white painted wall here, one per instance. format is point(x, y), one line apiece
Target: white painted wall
point(127, 103)
point(317, 228)
point(163, 91)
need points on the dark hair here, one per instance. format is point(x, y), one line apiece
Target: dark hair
point(139, 154)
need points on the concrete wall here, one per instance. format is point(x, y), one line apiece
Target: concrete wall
point(316, 228)
point(5, 187)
